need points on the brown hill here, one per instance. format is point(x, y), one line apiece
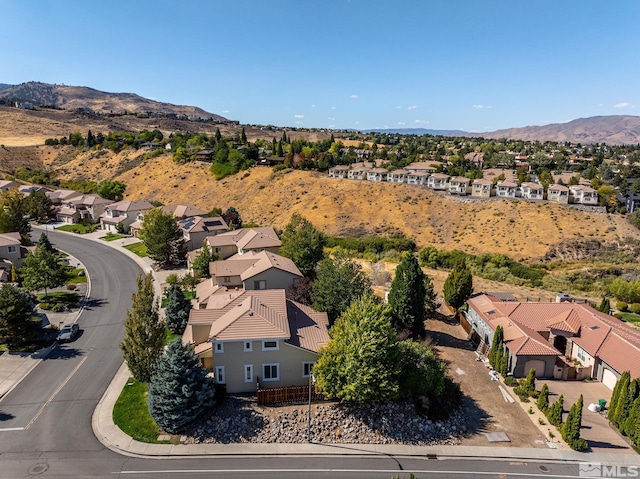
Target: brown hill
point(614, 129)
point(80, 97)
point(340, 207)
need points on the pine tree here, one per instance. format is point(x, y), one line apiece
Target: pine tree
point(615, 396)
point(243, 136)
point(16, 310)
point(495, 352)
point(543, 398)
point(623, 402)
point(605, 306)
point(554, 413)
point(529, 384)
point(218, 135)
point(44, 242)
point(570, 430)
point(411, 296)
point(458, 286)
point(201, 262)
point(144, 332)
point(177, 310)
point(163, 238)
point(632, 424)
point(279, 150)
point(179, 389)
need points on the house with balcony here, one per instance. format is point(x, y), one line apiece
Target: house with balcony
point(481, 188)
point(397, 176)
point(558, 194)
point(338, 171)
point(438, 181)
point(243, 240)
point(377, 174)
point(81, 208)
point(506, 189)
point(123, 213)
point(459, 185)
point(256, 338)
point(583, 195)
point(418, 178)
point(532, 191)
point(358, 173)
point(423, 166)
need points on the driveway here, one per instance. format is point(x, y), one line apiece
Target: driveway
point(595, 427)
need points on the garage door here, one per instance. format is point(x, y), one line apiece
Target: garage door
point(536, 364)
point(609, 378)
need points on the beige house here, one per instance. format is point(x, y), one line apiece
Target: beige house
point(459, 185)
point(11, 253)
point(58, 196)
point(195, 229)
point(6, 185)
point(417, 178)
point(506, 189)
point(245, 239)
point(124, 212)
point(481, 188)
point(253, 270)
point(183, 211)
point(584, 195)
point(80, 208)
point(423, 166)
point(397, 176)
point(532, 191)
point(338, 171)
point(558, 194)
point(377, 174)
point(251, 338)
point(438, 181)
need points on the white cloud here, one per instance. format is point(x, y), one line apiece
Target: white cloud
point(412, 107)
point(353, 97)
point(298, 116)
point(226, 111)
point(623, 104)
point(401, 123)
point(482, 107)
point(422, 122)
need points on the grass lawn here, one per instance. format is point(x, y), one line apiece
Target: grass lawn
point(131, 414)
point(77, 275)
point(77, 228)
point(112, 237)
point(67, 298)
point(169, 336)
point(187, 294)
point(631, 318)
point(138, 248)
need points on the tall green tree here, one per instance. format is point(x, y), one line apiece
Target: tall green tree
point(458, 286)
point(543, 398)
point(44, 242)
point(554, 413)
point(570, 430)
point(38, 206)
point(144, 332)
point(42, 269)
point(12, 215)
point(16, 310)
point(497, 348)
point(163, 238)
point(111, 189)
point(201, 262)
point(411, 298)
point(177, 310)
point(361, 362)
point(619, 406)
point(179, 389)
point(303, 244)
point(339, 282)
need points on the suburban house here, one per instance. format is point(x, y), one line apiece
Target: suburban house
point(205, 156)
point(338, 171)
point(58, 196)
point(254, 270)
point(6, 185)
point(562, 340)
point(475, 157)
point(81, 208)
point(438, 181)
point(584, 195)
point(196, 228)
point(256, 338)
point(532, 191)
point(423, 166)
point(459, 185)
point(245, 239)
point(506, 189)
point(417, 177)
point(123, 212)
point(558, 194)
point(11, 253)
point(358, 173)
point(183, 211)
point(377, 174)
point(397, 176)
point(631, 201)
point(481, 188)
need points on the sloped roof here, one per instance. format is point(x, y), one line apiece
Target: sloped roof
point(140, 205)
point(568, 321)
point(9, 239)
point(247, 238)
point(198, 224)
point(620, 354)
point(183, 211)
point(88, 200)
point(252, 263)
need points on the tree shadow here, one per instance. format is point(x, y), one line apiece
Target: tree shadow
point(90, 303)
point(6, 417)
point(604, 445)
point(477, 419)
point(64, 351)
point(440, 338)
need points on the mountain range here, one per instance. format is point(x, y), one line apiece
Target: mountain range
point(613, 129)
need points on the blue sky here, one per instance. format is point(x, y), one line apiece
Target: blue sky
point(441, 64)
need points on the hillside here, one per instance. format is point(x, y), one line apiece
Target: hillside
point(79, 97)
point(341, 207)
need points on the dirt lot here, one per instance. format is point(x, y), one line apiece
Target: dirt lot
point(484, 404)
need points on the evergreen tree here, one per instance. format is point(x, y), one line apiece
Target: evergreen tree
point(42, 270)
point(458, 286)
point(16, 310)
point(626, 428)
point(303, 244)
point(274, 145)
point(529, 384)
point(91, 140)
point(179, 389)
point(543, 398)
point(243, 137)
point(615, 396)
point(623, 402)
point(570, 430)
point(38, 206)
point(605, 306)
point(632, 425)
point(44, 242)
point(218, 135)
point(163, 238)
point(554, 413)
point(411, 298)
point(497, 346)
point(279, 150)
point(339, 282)
point(144, 332)
point(232, 218)
point(201, 262)
point(177, 310)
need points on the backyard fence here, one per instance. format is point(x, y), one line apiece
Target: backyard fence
point(286, 395)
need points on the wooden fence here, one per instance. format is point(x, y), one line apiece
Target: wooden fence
point(287, 395)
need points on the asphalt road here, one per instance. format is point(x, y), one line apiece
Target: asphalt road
point(52, 409)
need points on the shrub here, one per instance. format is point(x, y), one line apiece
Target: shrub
point(634, 308)
point(72, 286)
point(45, 306)
point(58, 308)
point(622, 306)
point(617, 315)
point(511, 381)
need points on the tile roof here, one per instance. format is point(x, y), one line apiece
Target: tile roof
point(247, 238)
point(9, 239)
point(140, 205)
point(198, 224)
point(183, 211)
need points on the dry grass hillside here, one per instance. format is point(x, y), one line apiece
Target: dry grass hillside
point(522, 230)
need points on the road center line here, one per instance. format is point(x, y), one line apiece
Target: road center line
point(55, 393)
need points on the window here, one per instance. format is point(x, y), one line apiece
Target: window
point(220, 374)
point(227, 279)
point(581, 356)
point(306, 369)
point(262, 284)
point(270, 345)
point(248, 373)
point(11, 249)
point(248, 346)
point(271, 372)
point(219, 347)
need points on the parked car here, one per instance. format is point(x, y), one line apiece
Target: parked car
point(68, 332)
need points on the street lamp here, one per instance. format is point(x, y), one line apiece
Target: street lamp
point(312, 379)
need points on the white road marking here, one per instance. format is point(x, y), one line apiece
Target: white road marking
point(12, 429)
